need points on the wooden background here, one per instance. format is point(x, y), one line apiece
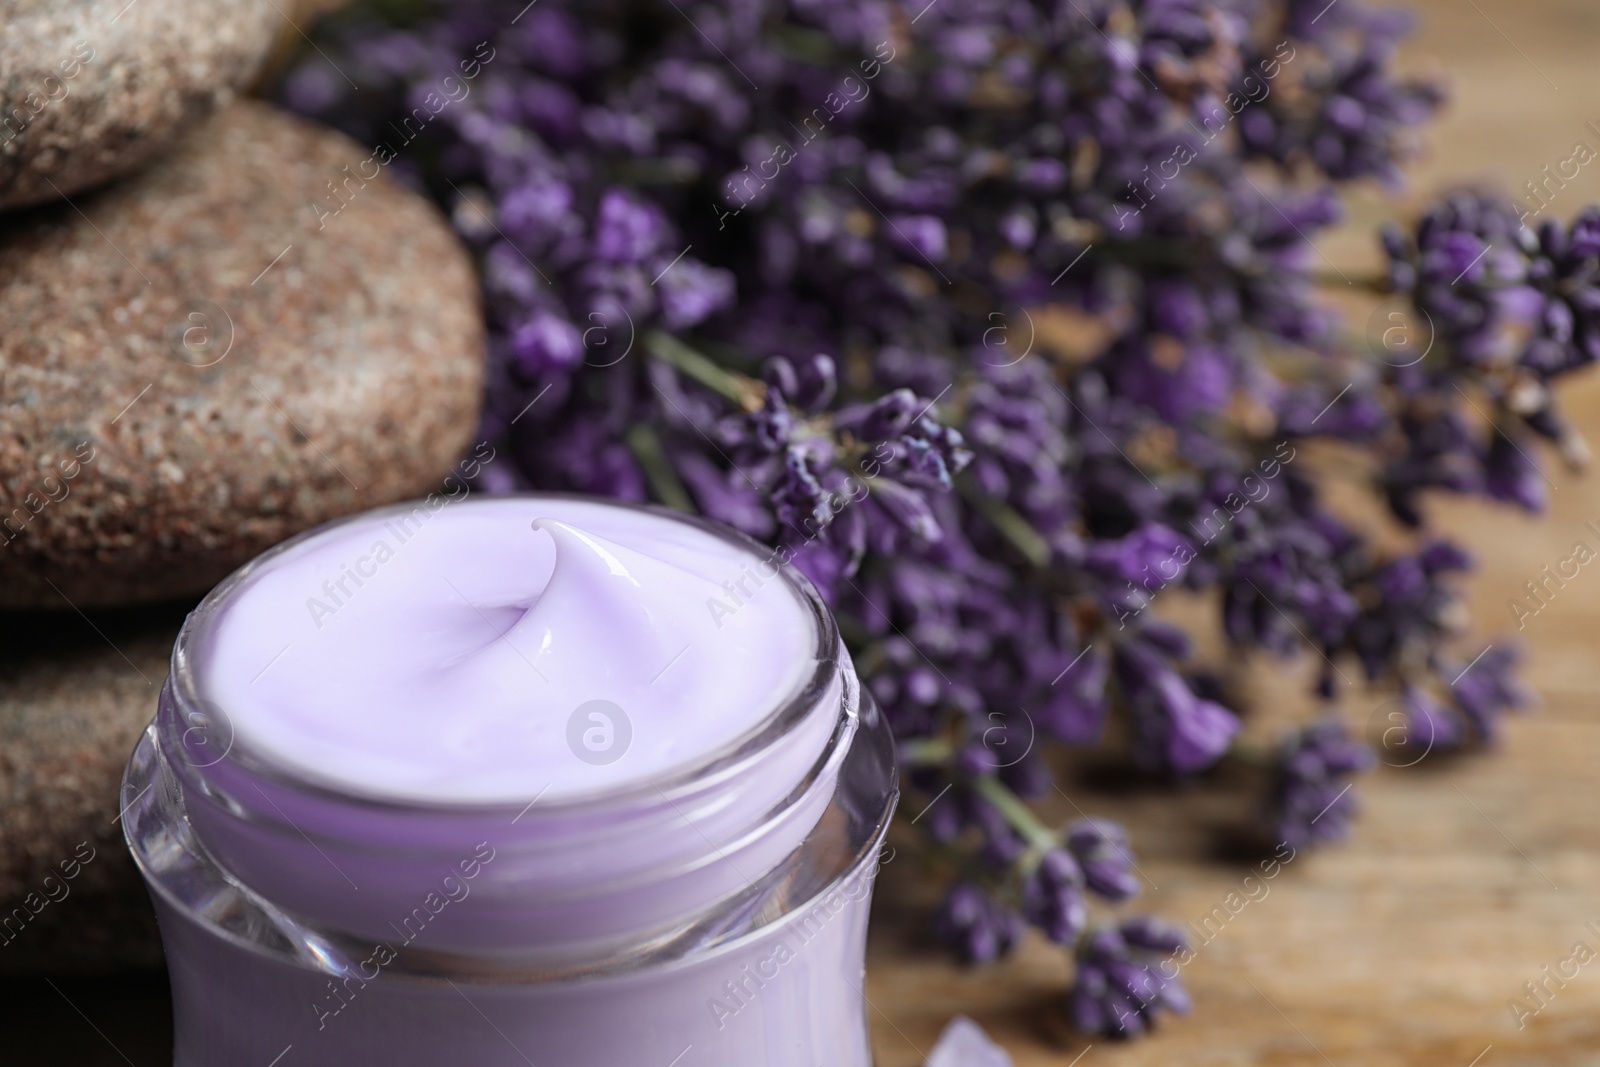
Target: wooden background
point(1463, 878)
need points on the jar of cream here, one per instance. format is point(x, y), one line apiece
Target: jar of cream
point(508, 781)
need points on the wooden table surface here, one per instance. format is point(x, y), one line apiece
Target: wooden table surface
point(1463, 878)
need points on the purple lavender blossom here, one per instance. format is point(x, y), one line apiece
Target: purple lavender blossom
point(1485, 688)
point(978, 929)
point(1429, 724)
point(1511, 309)
point(1101, 849)
point(1122, 985)
point(979, 342)
point(1181, 731)
point(1310, 800)
point(1053, 897)
point(1075, 704)
point(1153, 554)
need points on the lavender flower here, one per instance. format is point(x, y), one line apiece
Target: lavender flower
point(1180, 729)
point(966, 312)
point(1429, 725)
point(1485, 688)
point(974, 926)
point(1052, 897)
point(1122, 985)
point(1310, 800)
point(1511, 310)
point(1101, 849)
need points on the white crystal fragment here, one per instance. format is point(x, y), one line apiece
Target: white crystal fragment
point(964, 1044)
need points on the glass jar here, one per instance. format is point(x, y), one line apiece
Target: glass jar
point(715, 918)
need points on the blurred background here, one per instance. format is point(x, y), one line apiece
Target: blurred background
point(1407, 945)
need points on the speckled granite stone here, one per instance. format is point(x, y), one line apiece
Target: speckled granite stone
point(200, 365)
point(74, 696)
point(90, 89)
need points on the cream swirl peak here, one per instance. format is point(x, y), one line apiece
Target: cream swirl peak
point(495, 650)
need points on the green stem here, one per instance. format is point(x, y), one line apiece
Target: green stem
point(1173, 255)
point(1023, 821)
point(1253, 754)
point(811, 46)
point(655, 172)
point(1370, 283)
point(703, 369)
point(925, 752)
point(1018, 531)
point(646, 448)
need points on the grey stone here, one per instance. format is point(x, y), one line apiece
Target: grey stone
point(198, 363)
point(92, 89)
point(75, 693)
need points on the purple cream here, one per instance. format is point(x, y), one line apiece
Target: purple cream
point(523, 780)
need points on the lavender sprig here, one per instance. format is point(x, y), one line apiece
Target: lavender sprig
point(1000, 322)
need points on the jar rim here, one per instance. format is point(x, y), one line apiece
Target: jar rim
point(866, 792)
point(785, 717)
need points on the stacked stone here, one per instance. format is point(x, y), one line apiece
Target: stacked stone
point(198, 359)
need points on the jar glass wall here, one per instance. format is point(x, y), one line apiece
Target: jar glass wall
point(716, 914)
